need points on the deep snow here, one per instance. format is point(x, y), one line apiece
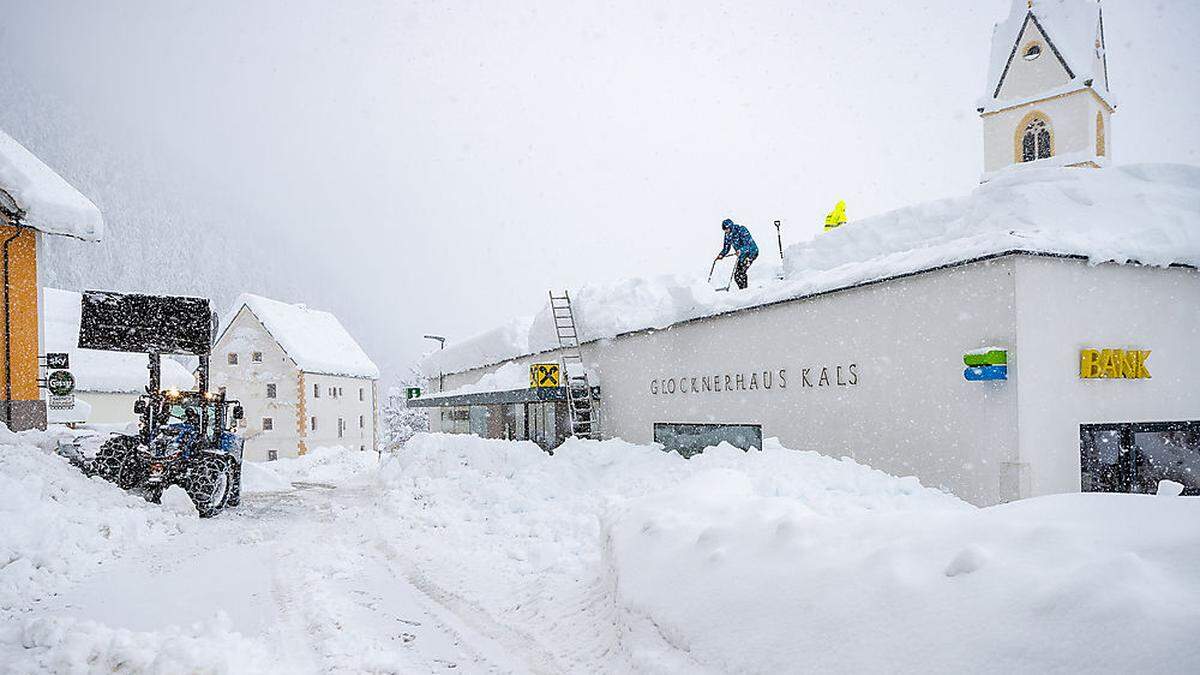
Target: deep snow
point(460, 554)
point(49, 203)
point(1148, 214)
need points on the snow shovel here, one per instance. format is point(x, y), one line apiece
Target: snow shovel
point(728, 284)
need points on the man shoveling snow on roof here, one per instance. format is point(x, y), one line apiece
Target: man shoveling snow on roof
point(837, 217)
point(738, 238)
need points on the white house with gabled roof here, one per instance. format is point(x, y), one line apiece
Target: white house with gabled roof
point(1047, 101)
point(303, 381)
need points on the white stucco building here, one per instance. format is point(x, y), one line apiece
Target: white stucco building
point(106, 383)
point(1036, 336)
point(303, 381)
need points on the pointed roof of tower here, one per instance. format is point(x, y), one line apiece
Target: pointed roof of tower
point(1075, 32)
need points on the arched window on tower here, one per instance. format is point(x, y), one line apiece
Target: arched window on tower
point(1036, 141)
point(1100, 145)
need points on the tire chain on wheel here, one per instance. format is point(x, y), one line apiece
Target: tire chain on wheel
point(200, 480)
point(116, 462)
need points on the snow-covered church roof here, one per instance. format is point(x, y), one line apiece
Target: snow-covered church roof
point(1074, 30)
point(1148, 214)
point(315, 340)
point(95, 370)
point(46, 201)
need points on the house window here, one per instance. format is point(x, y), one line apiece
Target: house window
point(316, 391)
point(271, 390)
point(341, 426)
point(231, 358)
point(272, 455)
point(268, 424)
point(1100, 149)
point(1036, 141)
point(256, 357)
point(312, 422)
point(362, 448)
point(361, 394)
point(361, 422)
point(1032, 52)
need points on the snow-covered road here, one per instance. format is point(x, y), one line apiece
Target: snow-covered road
point(316, 575)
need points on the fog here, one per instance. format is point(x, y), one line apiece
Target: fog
point(420, 167)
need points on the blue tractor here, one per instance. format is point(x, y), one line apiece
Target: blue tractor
point(185, 438)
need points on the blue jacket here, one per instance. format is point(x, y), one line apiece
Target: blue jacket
point(738, 238)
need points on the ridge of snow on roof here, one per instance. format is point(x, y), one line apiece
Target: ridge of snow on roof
point(1073, 26)
point(96, 370)
point(50, 204)
point(1148, 214)
point(315, 340)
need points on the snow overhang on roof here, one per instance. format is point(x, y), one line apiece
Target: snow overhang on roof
point(37, 197)
point(316, 341)
point(1073, 29)
point(1144, 214)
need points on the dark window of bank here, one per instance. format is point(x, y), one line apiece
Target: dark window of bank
point(692, 439)
point(1134, 457)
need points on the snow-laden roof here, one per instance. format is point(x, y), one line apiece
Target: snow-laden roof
point(315, 340)
point(49, 203)
point(100, 371)
point(1072, 26)
point(1149, 214)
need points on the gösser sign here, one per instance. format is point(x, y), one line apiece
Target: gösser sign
point(1096, 364)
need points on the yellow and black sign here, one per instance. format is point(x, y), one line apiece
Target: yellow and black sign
point(1113, 364)
point(543, 375)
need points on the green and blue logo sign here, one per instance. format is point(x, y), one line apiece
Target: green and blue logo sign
point(986, 364)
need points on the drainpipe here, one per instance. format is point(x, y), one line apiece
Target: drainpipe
point(8, 325)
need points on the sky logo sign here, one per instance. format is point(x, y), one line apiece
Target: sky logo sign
point(987, 364)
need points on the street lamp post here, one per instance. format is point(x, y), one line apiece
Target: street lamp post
point(441, 345)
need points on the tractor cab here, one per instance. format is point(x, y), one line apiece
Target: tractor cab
point(176, 423)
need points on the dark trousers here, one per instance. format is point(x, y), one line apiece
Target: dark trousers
point(742, 268)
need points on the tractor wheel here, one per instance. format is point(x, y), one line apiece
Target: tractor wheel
point(117, 462)
point(207, 482)
point(235, 484)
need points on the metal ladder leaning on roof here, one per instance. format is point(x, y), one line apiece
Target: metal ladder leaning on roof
point(584, 422)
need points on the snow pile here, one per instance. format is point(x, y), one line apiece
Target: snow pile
point(1074, 28)
point(56, 524)
point(49, 203)
point(333, 465)
point(1149, 214)
point(747, 581)
point(258, 477)
point(96, 370)
point(622, 558)
point(315, 340)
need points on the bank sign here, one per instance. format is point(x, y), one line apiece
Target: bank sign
point(1112, 364)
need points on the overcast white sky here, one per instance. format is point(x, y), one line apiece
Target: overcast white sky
point(437, 166)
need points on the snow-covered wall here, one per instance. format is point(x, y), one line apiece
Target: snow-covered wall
point(1064, 306)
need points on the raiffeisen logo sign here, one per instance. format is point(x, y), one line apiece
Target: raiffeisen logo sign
point(1112, 364)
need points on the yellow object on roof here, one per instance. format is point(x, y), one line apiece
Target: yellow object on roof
point(837, 216)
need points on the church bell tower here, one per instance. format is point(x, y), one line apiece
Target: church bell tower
point(1047, 101)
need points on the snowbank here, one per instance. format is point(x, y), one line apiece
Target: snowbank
point(50, 204)
point(751, 582)
point(1149, 214)
point(315, 340)
point(622, 558)
point(333, 465)
point(56, 524)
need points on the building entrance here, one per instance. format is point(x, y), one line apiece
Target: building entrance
point(1134, 457)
